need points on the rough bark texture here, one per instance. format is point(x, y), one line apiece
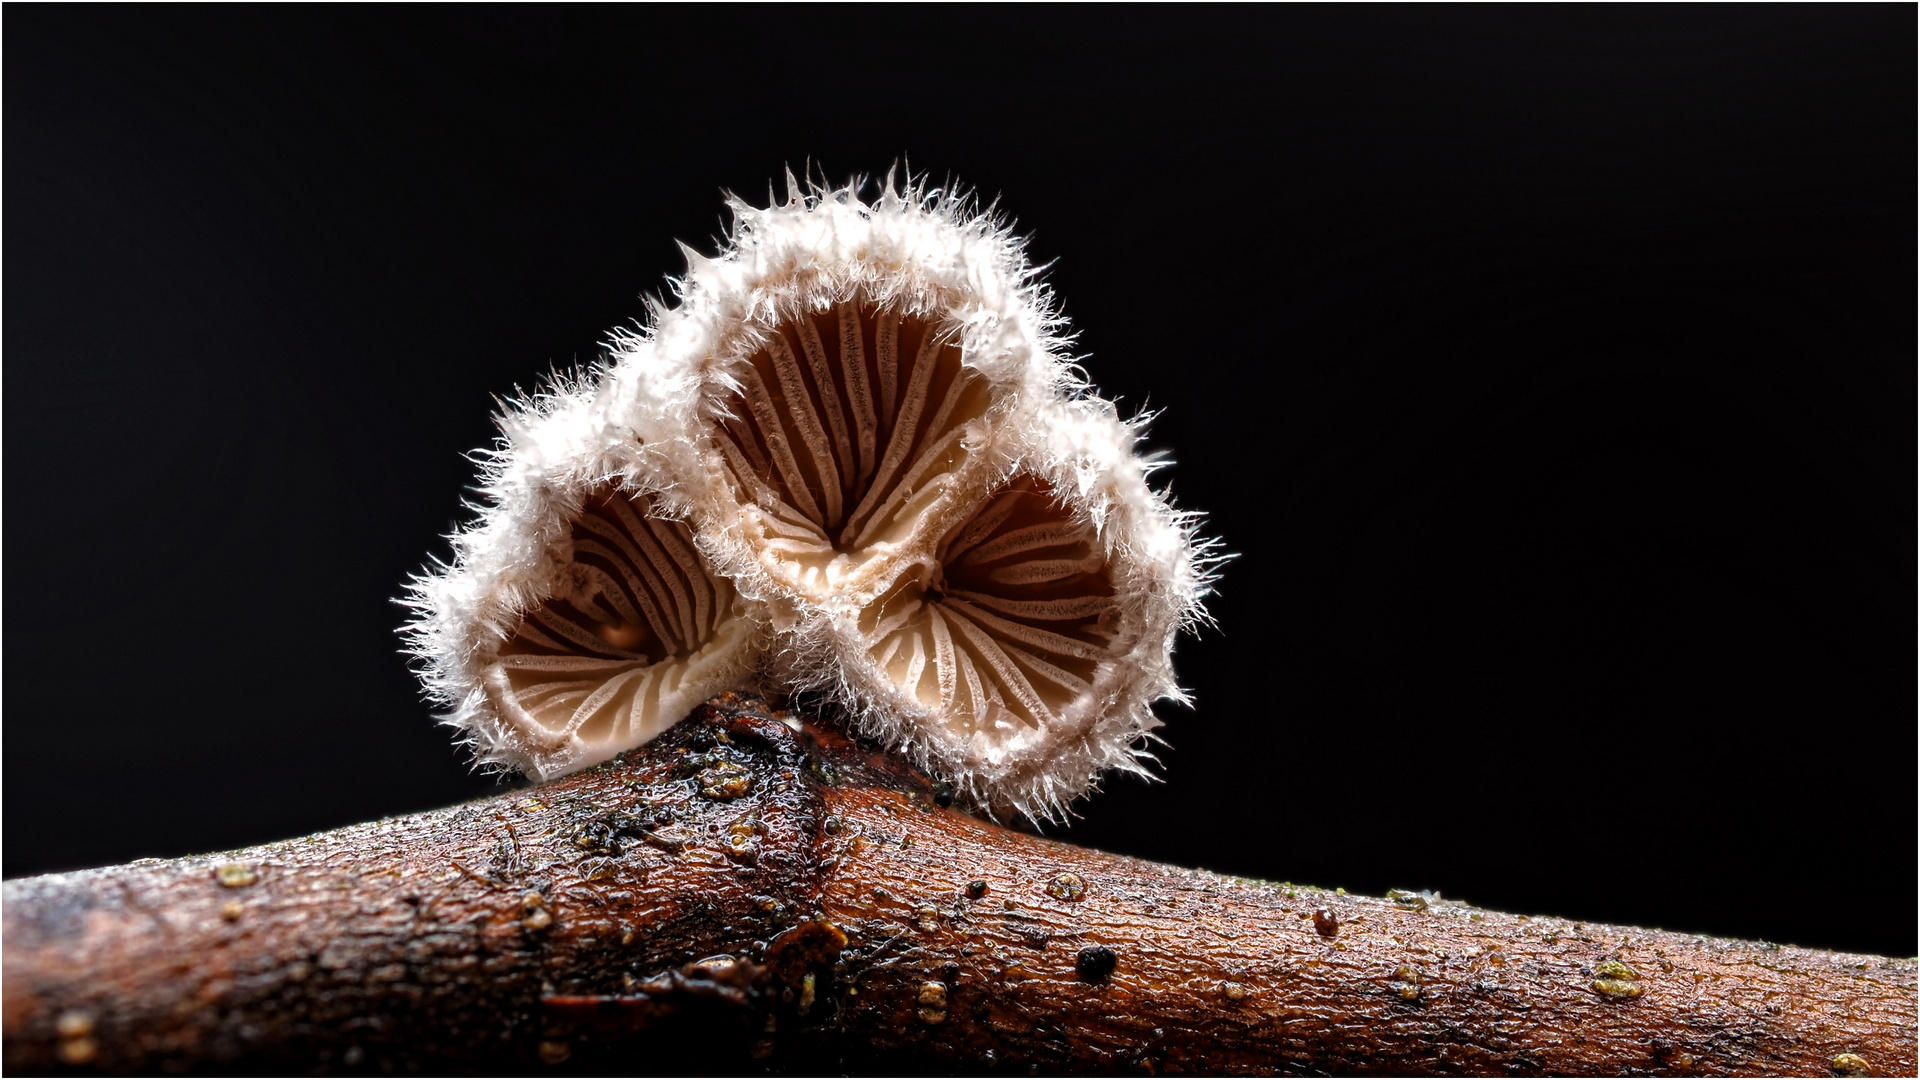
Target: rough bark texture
point(749, 893)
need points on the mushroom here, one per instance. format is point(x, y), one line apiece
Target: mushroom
point(847, 429)
point(577, 617)
point(637, 633)
point(854, 459)
point(1002, 629)
point(1016, 650)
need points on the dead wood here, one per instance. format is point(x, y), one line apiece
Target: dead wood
point(749, 893)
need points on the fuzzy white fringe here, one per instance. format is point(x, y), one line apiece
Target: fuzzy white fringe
point(647, 420)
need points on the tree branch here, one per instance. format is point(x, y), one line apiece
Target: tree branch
point(751, 892)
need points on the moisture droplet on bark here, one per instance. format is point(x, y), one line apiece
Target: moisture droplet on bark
point(235, 875)
point(1406, 983)
point(1067, 887)
point(1851, 1065)
point(1613, 979)
point(933, 1002)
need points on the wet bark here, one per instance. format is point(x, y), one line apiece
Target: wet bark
point(751, 893)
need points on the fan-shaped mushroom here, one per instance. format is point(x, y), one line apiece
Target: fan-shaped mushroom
point(637, 633)
point(857, 439)
point(973, 616)
point(846, 430)
point(1004, 629)
point(1017, 650)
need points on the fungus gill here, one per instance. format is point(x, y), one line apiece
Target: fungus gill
point(632, 639)
point(847, 428)
point(1003, 629)
point(853, 459)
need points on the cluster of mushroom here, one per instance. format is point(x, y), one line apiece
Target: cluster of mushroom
point(854, 459)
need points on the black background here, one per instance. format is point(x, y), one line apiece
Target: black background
point(1551, 370)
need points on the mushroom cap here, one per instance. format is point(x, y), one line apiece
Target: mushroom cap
point(636, 633)
point(850, 433)
point(1018, 649)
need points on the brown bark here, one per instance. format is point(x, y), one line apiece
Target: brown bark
point(739, 895)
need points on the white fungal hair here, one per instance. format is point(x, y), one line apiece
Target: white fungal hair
point(853, 458)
